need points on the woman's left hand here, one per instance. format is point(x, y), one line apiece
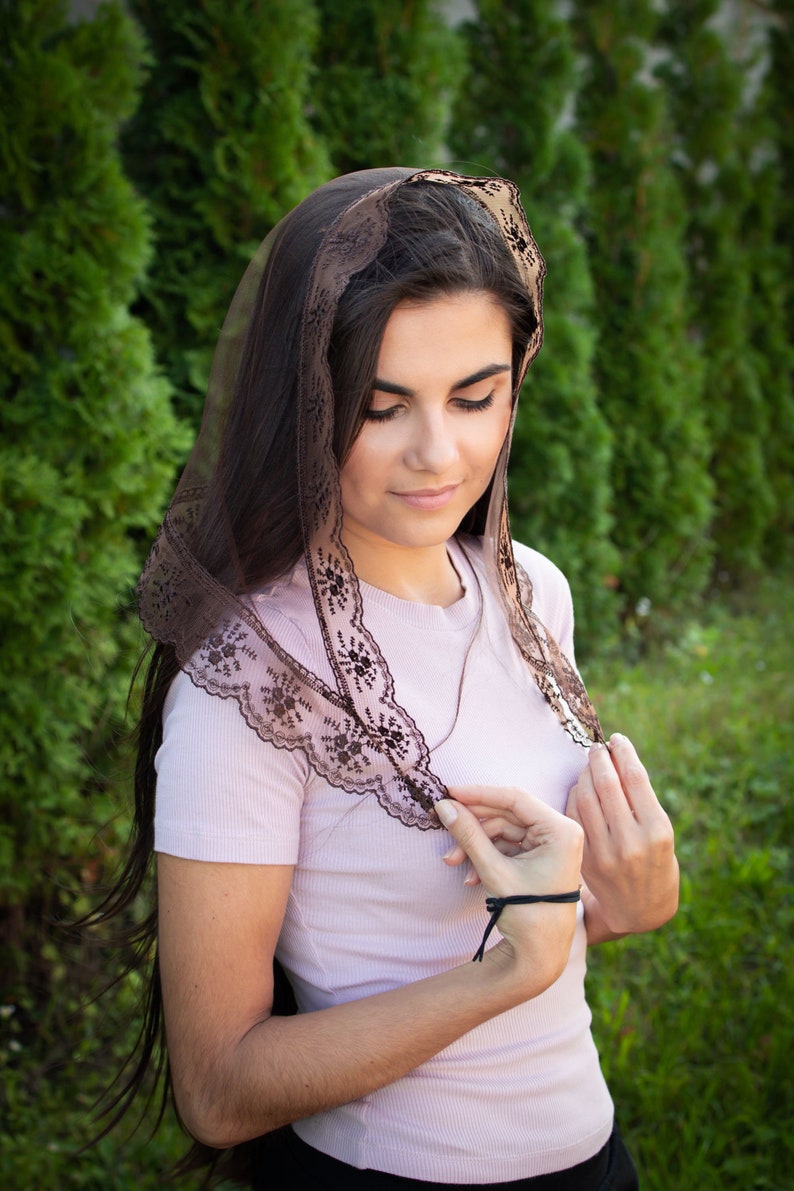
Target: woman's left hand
point(629, 865)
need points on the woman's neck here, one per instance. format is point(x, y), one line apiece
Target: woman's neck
point(422, 575)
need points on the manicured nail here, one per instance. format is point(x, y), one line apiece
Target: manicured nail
point(446, 812)
point(617, 738)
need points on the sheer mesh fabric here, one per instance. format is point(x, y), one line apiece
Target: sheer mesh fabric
point(354, 733)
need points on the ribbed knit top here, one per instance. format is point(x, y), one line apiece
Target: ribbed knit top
point(372, 906)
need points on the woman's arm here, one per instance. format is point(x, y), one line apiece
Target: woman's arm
point(239, 1072)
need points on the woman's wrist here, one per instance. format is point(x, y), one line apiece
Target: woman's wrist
point(609, 919)
point(530, 960)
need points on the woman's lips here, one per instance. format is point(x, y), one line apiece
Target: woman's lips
point(428, 498)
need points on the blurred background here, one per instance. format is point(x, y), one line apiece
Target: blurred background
point(145, 150)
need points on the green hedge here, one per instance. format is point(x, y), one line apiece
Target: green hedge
point(649, 371)
point(770, 226)
point(221, 147)
point(717, 130)
point(89, 446)
point(505, 123)
point(386, 72)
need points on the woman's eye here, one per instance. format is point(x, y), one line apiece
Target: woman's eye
point(473, 406)
point(381, 415)
point(386, 415)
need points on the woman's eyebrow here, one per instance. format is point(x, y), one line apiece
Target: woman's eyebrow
point(386, 386)
point(483, 374)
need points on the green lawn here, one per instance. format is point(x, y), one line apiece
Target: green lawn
point(695, 1023)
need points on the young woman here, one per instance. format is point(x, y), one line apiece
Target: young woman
point(362, 712)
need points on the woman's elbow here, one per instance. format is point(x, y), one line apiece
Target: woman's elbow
point(211, 1114)
point(206, 1112)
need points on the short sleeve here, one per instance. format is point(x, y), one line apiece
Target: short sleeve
point(552, 602)
point(223, 794)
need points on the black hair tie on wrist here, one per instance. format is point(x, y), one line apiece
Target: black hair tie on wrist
point(495, 905)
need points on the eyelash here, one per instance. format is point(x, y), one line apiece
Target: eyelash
point(469, 407)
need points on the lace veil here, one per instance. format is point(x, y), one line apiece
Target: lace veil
point(352, 731)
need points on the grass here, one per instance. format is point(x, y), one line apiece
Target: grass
point(695, 1023)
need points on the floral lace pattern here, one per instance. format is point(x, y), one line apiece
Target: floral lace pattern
point(352, 732)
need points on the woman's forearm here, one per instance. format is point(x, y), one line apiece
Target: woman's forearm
point(285, 1068)
point(239, 1072)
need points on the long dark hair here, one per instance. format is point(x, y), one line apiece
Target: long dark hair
point(440, 242)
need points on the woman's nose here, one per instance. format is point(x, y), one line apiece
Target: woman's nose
point(433, 446)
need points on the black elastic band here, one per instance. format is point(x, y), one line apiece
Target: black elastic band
point(495, 905)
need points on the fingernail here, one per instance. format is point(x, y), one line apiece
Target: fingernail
point(447, 855)
point(595, 747)
point(617, 738)
point(446, 812)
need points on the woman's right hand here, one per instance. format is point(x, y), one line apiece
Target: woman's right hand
point(547, 858)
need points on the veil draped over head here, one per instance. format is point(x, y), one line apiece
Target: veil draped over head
point(353, 731)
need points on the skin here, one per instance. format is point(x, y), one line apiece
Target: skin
point(629, 867)
point(423, 457)
point(630, 876)
point(439, 433)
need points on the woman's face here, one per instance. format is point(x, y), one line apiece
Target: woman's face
point(437, 420)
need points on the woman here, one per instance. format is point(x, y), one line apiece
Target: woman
point(348, 659)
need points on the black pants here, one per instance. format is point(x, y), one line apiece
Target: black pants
point(294, 1164)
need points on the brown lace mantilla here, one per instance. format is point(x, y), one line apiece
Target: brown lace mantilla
point(353, 733)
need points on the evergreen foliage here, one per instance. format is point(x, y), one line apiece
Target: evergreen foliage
point(89, 446)
point(649, 372)
point(507, 123)
point(716, 128)
point(387, 73)
point(771, 230)
point(221, 147)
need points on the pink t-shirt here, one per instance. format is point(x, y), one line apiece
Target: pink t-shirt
point(372, 907)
